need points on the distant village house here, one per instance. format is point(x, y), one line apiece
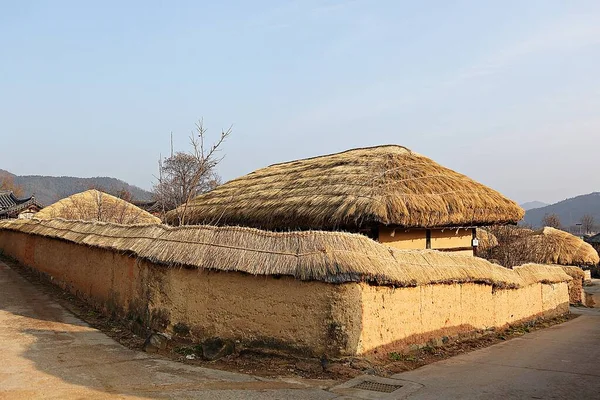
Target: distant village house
point(13, 207)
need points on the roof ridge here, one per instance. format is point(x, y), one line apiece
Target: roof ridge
point(344, 152)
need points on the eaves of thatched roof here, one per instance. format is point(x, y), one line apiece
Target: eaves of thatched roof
point(388, 185)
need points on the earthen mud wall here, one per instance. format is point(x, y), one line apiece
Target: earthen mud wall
point(399, 317)
point(311, 318)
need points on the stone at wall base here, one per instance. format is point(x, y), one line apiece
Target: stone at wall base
point(215, 348)
point(155, 342)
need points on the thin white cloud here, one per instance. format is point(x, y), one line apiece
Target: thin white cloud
point(570, 33)
point(298, 12)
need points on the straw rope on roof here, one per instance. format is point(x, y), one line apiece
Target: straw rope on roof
point(94, 205)
point(333, 257)
point(390, 185)
point(553, 246)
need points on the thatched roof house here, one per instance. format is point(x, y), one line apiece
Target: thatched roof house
point(387, 192)
point(553, 246)
point(94, 205)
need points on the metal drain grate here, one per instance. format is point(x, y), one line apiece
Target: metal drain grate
point(376, 387)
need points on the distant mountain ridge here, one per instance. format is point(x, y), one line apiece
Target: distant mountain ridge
point(533, 204)
point(569, 211)
point(49, 189)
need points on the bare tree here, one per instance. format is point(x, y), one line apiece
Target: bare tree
point(509, 252)
point(7, 183)
point(184, 175)
point(587, 223)
point(552, 220)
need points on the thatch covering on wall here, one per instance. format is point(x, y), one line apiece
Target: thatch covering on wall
point(553, 246)
point(487, 240)
point(333, 257)
point(574, 272)
point(532, 272)
point(94, 205)
point(388, 185)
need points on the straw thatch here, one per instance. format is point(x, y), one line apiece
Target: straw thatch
point(532, 272)
point(574, 272)
point(486, 239)
point(94, 205)
point(333, 257)
point(358, 188)
point(553, 246)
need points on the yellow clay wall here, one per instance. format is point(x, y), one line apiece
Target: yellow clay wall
point(397, 317)
point(417, 239)
point(403, 239)
point(312, 318)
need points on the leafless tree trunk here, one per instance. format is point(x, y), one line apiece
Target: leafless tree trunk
point(552, 220)
point(7, 183)
point(587, 223)
point(184, 175)
point(508, 252)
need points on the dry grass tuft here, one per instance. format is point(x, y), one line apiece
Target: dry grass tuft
point(94, 205)
point(388, 185)
point(333, 257)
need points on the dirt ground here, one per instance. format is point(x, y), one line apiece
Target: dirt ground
point(271, 364)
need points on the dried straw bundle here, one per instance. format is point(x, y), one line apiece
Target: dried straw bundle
point(332, 257)
point(388, 185)
point(486, 239)
point(94, 205)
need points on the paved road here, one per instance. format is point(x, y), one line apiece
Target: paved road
point(593, 293)
point(47, 353)
point(561, 362)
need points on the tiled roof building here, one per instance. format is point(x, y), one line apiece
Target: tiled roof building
point(12, 207)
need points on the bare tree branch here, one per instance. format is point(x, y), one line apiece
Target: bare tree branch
point(184, 175)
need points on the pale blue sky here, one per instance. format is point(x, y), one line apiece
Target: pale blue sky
point(507, 92)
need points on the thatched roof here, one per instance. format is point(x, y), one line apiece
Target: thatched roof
point(333, 257)
point(388, 185)
point(487, 240)
point(94, 205)
point(553, 246)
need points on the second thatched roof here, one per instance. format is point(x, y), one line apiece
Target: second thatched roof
point(94, 205)
point(358, 188)
point(553, 246)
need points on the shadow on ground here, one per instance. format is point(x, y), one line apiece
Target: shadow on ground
point(49, 353)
